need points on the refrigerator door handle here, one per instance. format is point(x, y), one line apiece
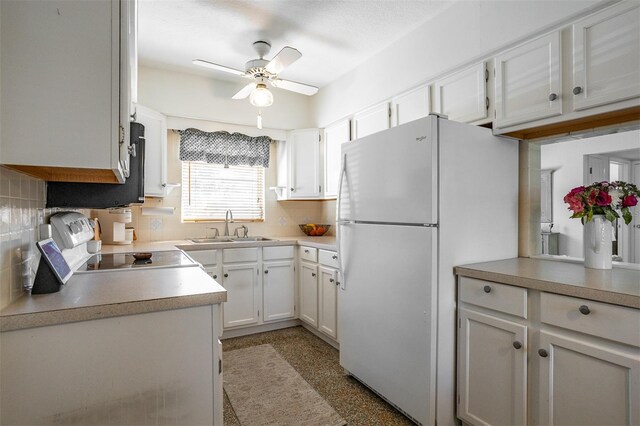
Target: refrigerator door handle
point(343, 170)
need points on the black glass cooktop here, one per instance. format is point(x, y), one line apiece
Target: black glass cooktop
point(159, 259)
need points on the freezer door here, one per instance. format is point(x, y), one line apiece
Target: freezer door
point(391, 176)
point(387, 312)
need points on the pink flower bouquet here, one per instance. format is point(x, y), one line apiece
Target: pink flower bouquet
point(603, 198)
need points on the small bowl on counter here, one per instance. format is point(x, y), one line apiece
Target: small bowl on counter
point(314, 230)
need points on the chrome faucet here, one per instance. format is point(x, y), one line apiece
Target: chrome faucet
point(216, 233)
point(227, 215)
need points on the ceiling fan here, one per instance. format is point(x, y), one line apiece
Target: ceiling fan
point(264, 71)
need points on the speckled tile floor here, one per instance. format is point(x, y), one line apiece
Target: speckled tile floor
point(318, 363)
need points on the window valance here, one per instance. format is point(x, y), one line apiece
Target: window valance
point(230, 149)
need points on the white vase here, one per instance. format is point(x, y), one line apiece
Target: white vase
point(597, 243)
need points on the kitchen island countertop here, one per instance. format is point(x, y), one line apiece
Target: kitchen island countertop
point(108, 294)
point(618, 286)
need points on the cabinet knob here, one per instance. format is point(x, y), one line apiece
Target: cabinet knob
point(313, 274)
point(487, 289)
point(334, 257)
point(226, 275)
point(306, 251)
point(292, 189)
point(266, 271)
point(543, 353)
point(215, 276)
point(337, 282)
point(577, 90)
point(331, 280)
point(517, 344)
point(553, 97)
point(584, 310)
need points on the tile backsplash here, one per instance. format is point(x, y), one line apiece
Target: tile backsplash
point(22, 200)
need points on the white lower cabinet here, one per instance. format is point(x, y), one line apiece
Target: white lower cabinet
point(493, 370)
point(309, 293)
point(583, 358)
point(278, 290)
point(328, 302)
point(241, 283)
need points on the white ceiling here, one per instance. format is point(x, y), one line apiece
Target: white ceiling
point(333, 36)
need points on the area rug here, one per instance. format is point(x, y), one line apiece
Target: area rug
point(264, 389)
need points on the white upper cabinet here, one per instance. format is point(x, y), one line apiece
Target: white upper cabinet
point(463, 96)
point(371, 120)
point(155, 156)
point(334, 136)
point(606, 56)
point(411, 105)
point(528, 82)
point(304, 164)
point(66, 88)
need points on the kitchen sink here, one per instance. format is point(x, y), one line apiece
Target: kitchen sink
point(228, 240)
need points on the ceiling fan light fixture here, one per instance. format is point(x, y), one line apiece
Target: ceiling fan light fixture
point(261, 96)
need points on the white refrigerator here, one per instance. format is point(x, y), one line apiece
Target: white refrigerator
point(414, 201)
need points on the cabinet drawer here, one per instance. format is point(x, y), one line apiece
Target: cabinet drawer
point(612, 322)
point(204, 257)
point(240, 255)
point(273, 253)
point(308, 253)
point(328, 258)
point(499, 297)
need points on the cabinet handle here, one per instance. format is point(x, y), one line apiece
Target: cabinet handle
point(334, 257)
point(577, 90)
point(487, 289)
point(517, 344)
point(553, 97)
point(584, 310)
point(331, 280)
point(266, 271)
point(292, 189)
point(215, 276)
point(306, 251)
point(337, 282)
point(313, 274)
point(543, 353)
point(226, 275)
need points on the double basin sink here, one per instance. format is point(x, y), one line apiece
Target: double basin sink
point(229, 240)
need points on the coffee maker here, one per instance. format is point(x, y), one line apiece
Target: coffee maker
point(113, 225)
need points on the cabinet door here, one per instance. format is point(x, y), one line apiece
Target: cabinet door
point(241, 283)
point(278, 290)
point(411, 105)
point(492, 370)
point(328, 318)
point(585, 384)
point(304, 146)
point(528, 82)
point(372, 120)
point(60, 87)
point(155, 155)
point(334, 136)
point(463, 96)
point(606, 56)
point(309, 293)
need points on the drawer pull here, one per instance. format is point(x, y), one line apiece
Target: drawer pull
point(306, 251)
point(266, 271)
point(584, 310)
point(543, 353)
point(313, 274)
point(226, 275)
point(331, 280)
point(334, 257)
point(215, 276)
point(517, 345)
point(337, 282)
point(487, 289)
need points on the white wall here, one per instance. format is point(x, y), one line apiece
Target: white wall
point(194, 96)
point(566, 159)
point(465, 32)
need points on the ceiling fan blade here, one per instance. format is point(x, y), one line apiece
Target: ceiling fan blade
point(245, 91)
point(283, 59)
point(305, 89)
point(208, 64)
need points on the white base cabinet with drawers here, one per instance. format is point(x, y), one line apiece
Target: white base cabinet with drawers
point(319, 283)
point(530, 357)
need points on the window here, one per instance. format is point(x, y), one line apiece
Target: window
point(209, 190)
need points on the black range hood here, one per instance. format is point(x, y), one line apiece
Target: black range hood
point(104, 195)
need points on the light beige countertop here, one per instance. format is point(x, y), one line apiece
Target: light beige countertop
point(325, 243)
point(618, 286)
point(109, 294)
